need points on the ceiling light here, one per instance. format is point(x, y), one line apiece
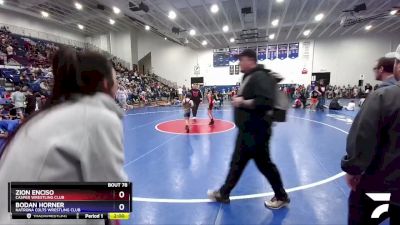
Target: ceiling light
point(171, 15)
point(165, 38)
point(279, 1)
point(192, 32)
point(275, 22)
point(44, 14)
point(306, 32)
point(271, 36)
point(393, 12)
point(232, 40)
point(116, 10)
point(112, 21)
point(147, 27)
point(225, 28)
point(319, 17)
point(204, 43)
point(214, 8)
point(368, 27)
point(1, 2)
point(81, 26)
point(78, 5)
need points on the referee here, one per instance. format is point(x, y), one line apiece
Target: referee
point(197, 98)
point(253, 112)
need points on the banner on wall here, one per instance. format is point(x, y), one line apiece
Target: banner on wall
point(282, 51)
point(293, 50)
point(231, 69)
point(233, 53)
point(236, 69)
point(262, 53)
point(272, 49)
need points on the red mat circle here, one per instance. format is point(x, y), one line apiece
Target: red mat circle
point(197, 126)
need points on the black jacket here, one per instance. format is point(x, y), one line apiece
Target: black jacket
point(334, 105)
point(196, 95)
point(261, 86)
point(373, 144)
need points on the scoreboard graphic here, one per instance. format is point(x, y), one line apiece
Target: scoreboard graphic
point(89, 200)
point(221, 57)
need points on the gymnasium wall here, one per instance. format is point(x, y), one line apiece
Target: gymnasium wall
point(101, 41)
point(121, 45)
point(169, 60)
point(290, 69)
point(347, 58)
point(33, 25)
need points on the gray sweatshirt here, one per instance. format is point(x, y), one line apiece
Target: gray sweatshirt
point(79, 141)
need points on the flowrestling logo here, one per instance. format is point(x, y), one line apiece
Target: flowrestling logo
point(379, 197)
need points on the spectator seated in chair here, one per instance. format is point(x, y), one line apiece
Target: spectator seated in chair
point(298, 104)
point(351, 106)
point(334, 105)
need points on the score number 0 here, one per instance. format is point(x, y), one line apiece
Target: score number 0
point(121, 194)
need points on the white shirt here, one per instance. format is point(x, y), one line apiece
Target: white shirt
point(18, 99)
point(180, 91)
point(351, 106)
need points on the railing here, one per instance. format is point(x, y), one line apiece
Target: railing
point(58, 39)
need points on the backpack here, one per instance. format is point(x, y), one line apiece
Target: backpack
point(281, 106)
point(281, 103)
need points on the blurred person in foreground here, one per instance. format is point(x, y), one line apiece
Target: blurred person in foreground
point(254, 107)
point(372, 162)
point(76, 137)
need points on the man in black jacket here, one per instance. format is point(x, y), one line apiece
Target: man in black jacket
point(372, 162)
point(253, 117)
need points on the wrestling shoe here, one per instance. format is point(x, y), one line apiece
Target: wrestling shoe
point(187, 129)
point(211, 122)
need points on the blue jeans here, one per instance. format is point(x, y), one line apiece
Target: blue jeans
point(321, 103)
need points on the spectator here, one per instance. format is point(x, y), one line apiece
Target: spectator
point(298, 103)
point(372, 162)
point(351, 106)
point(180, 92)
point(314, 99)
point(81, 100)
point(334, 105)
point(321, 95)
point(10, 53)
point(368, 88)
point(18, 99)
point(384, 72)
point(30, 102)
point(3, 129)
point(122, 97)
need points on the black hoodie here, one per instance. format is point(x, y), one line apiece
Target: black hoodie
point(260, 85)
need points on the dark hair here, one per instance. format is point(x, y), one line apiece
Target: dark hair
point(386, 63)
point(17, 88)
point(74, 74)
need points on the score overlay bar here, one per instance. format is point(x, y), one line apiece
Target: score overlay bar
point(66, 200)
